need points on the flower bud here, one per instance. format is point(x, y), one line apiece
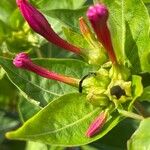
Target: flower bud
point(98, 16)
point(96, 125)
point(23, 61)
point(39, 24)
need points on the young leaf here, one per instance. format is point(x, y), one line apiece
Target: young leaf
point(140, 140)
point(63, 122)
point(40, 89)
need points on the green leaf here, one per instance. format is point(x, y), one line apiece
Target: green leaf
point(145, 95)
point(53, 4)
point(140, 140)
point(137, 86)
point(8, 94)
point(6, 8)
point(37, 146)
point(40, 89)
point(6, 124)
point(137, 45)
point(40, 146)
point(63, 122)
point(146, 1)
point(27, 109)
point(67, 16)
point(137, 89)
point(129, 24)
point(4, 32)
point(16, 21)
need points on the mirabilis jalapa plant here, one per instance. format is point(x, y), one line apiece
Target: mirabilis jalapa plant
point(110, 88)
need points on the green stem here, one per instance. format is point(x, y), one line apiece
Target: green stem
point(130, 114)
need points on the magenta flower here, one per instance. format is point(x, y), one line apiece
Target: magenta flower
point(96, 125)
point(23, 61)
point(40, 25)
point(98, 16)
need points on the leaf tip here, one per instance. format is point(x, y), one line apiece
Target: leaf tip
point(10, 135)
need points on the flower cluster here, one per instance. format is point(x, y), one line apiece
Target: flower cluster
point(108, 85)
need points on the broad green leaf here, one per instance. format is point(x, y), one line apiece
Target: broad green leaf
point(36, 146)
point(27, 109)
point(140, 140)
point(146, 1)
point(145, 95)
point(137, 44)
point(63, 122)
point(8, 94)
point(40, 146)
point(53, 4)
point(67, 16)
point(40, 89)
point(129, 24)
point(148, 7)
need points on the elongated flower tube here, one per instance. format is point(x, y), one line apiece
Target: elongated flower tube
point(96, 125)
point(23, 61)
point(40, 25)
point(98, 16)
